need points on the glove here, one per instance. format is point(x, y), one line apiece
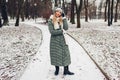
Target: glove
point(63, 14)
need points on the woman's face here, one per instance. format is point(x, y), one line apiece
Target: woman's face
point(57, 13)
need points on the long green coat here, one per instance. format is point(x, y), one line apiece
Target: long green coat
point(59, 51)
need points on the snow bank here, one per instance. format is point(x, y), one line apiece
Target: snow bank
point(17, 46)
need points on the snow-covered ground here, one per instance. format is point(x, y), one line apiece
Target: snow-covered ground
point(22, 55)
point(18, 45)
point(102, 43)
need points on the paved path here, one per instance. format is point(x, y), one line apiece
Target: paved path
point(41, 69)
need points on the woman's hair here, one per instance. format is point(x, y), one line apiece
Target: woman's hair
point(55, 19)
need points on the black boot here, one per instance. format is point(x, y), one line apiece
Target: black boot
point(57, 70)
point(67, 72)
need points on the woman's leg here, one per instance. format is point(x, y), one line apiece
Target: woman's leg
point(57, 70)
point(66, 71)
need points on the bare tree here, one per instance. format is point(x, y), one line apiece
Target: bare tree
point(4, 12)
point(56, 3)
point(72, 19)
point(63, 5)
point(22, 11)
point(27, 9)
point(105, 14)
point(116, 11)
point(109, 14)
point(112, 5)
point(19, 8)
point(86, 10)
point(47, 9)
point(78, 11)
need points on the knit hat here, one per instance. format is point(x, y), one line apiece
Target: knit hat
point(59, 9)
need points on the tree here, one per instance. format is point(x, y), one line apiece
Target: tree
point(56, 3)
point(72, 19)
point(22, 13)
point(63, 5)
point(19, 7)
point(86, 10)
point(110, 11)
point(27, 11)
point(116, 11)
point(46, 12)
point(11, 8)
point(105, 14)
point(78, 10)
point(109, 17)
point(4, 12)
point(112, 5)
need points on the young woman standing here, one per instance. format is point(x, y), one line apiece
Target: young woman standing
point(59, 52)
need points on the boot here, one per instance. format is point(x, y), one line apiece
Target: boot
point(57, 70)
point(67, 72)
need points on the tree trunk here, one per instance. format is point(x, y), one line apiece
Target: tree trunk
point(78, 11)
point(22, 12)
point(86, 10)
point(105, 14)
point(112, 11)
point(22, 16)
point(78, 20)
point(4, 12)
point(56, 4)
point(27, 9)
point(109, 17)
point(20, 3)
point(63, 5)
point(18, 17)
point(72, 19)
point(116, 11)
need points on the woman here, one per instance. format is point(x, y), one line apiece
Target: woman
point(59, 52)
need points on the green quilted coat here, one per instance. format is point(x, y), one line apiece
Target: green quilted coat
point(59, 51)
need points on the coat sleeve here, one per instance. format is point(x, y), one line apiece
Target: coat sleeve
point(65, 24)
point(53, 31)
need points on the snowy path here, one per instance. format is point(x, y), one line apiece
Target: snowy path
point(40, 68)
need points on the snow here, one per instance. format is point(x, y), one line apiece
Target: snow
point(82, 65)
point(102, 43)
point(97, 2)
point(18, 45)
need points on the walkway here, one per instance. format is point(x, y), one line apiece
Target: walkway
point(41, 69)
